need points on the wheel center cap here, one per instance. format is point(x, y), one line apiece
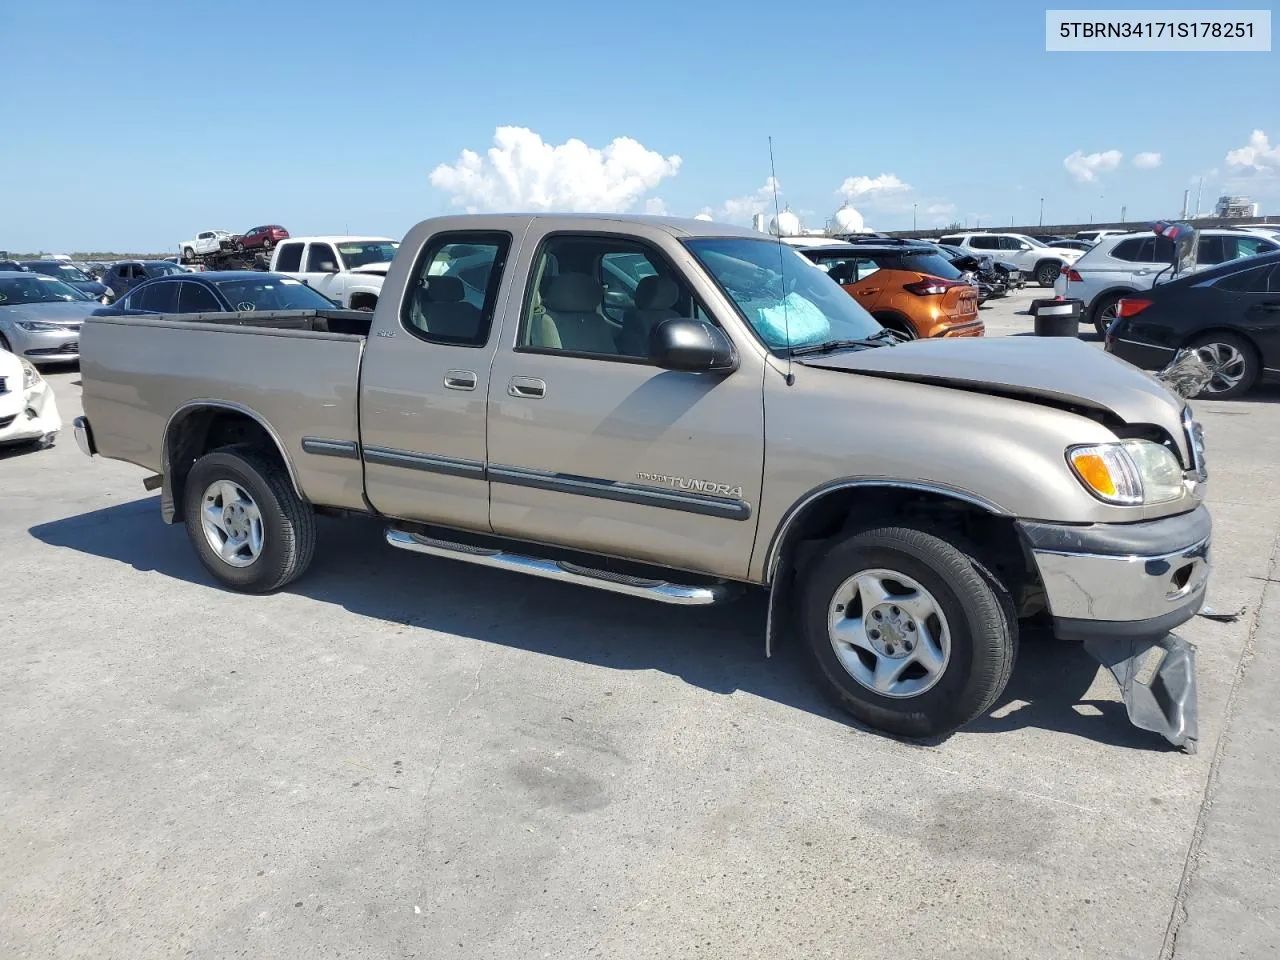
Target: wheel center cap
point(891, 630)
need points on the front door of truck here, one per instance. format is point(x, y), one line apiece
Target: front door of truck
point(321, 271)
point(425, 383)
point(593, 447)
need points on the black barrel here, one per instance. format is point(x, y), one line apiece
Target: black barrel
point(1057, 318)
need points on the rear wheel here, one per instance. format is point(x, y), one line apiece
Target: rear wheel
point(248, 526)
point(1104, 312)
point(1233, 362)
point(897, 324)
point(907, 631)
point(268, 243)
point(1047, 273)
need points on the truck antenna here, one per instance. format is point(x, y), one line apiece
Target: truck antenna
point(790, 377)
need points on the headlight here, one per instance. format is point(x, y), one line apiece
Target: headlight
point(30, 375)
point(34, 325)
point(1130, 472)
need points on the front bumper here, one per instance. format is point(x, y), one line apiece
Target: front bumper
point(1135, 580)
point(28, 415)
point(48, 346)
point(84, 436)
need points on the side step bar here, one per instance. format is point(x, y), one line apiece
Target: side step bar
point(660, 590)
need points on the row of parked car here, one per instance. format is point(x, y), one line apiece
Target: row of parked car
point(207, 242)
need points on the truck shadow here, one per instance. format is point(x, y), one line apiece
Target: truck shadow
point(717, 649)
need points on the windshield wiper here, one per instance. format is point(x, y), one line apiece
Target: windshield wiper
point(829, 346)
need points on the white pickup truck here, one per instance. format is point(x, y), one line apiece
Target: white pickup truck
point(347, 270)
point(210, 241)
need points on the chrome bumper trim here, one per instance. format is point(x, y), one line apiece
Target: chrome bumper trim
point(84, 436)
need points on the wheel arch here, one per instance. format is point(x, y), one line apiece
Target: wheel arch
point(362, 298)
point(199, 426)
point(1056, 261)
point(828, 510)
point(1091, 312)
point(898, 320)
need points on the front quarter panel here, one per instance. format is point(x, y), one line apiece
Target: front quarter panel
point(832, 426)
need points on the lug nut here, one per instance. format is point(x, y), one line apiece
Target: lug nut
point(877, 615)
point(910, 625)
point(894, 611)
point(874, 634)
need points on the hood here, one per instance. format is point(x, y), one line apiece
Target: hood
point(1057, 370)
point(63, 311)
point(378, 269)
point(91, 287)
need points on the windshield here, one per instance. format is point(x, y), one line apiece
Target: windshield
point(366, 252)
point(36, 288)
point(1034, 242)
point(63, 271)
point(271, 293)
point(777, 291)
point(162, 269)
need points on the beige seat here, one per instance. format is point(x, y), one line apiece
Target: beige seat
point(571, 320)
point(656, 299)
point(439, 309)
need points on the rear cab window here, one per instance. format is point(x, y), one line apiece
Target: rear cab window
point(453, 290)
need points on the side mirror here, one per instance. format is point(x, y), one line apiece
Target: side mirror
point(1024, 246)
point(692, 345)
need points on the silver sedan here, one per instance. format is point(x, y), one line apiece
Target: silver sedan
point(40, 317)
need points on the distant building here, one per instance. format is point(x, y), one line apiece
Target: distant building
point(1236, 207)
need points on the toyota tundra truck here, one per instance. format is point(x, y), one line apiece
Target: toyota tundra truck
point(348, 270)
point(680, 410)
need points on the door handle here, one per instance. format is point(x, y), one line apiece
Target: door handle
point(869, 291)
point(460, 379)
point(527, 388)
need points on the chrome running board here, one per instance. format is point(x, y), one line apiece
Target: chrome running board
point(651, 589)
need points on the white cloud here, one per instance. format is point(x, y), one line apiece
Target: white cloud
point(940, 209)
point(741, 209)
point(1258, 156)
point(655, 206)
point(1147, 160)
point(522, 172)
point(1085, 167)
point(854, 188)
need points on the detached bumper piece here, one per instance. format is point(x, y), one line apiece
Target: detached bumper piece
point(1162, 701)
point(1121, 589)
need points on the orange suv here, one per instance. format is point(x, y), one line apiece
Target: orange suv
point(908, 286)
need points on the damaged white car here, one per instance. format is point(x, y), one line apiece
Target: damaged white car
point(28, 411)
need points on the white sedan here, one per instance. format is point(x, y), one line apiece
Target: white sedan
point(28, 412)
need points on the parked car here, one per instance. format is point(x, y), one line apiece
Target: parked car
point(122, 277)
point(1228, 315)
point(1128, 263)
point(210, 241)
point(40, 317)
point(28, 410)
point(1093, 236)
point(347, 270)
point(1082, 245)
point(1000, 276)
point(70, 274)
point(1041, 263)
point(909, 287)
point(12, 266)
point(743, 419)
point(261, 238)
point(217, 291)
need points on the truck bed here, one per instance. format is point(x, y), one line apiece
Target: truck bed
point(296, 371)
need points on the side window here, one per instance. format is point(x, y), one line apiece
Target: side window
point(985, 243)
point(1211, 251)
point(196, 298)
point(951, 241)
point(864, 268)
point(1250, 246)
point(1246, 281)
point(290, 258)
point(1130, 250)
point(1010, 243)
point(454, 290)
point(321, 259)
point(157, 298)
point(565, 308)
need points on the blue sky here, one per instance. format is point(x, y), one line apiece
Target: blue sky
point(152, 121)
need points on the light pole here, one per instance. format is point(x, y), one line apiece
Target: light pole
point(1042, 211)
point(914, 206)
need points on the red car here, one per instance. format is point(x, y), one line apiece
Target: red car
point(262, 237)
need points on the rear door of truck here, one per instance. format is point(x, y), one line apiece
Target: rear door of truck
point(425, 378)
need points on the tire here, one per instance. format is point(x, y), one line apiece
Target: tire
point(1104, 312)
point(188, 254)
point(1047, 272)
point(1237, 365)
point(974, 633)
point(238, 246)
point(268, 243)
point(897, 324)
point(287, 531)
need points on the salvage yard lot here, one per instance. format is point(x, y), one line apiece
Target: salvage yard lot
point(400, 756)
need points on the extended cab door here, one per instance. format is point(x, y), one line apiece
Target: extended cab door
point(593, 447)
point(321, 270)
point(425, 379)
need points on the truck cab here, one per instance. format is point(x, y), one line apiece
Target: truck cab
point(348, 270)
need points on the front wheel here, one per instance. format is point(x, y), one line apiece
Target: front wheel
point(907, 631)
point(188, 254)
point(249, 527)
point(1047, 274)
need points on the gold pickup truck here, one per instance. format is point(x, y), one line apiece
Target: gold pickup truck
point(681, 410)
